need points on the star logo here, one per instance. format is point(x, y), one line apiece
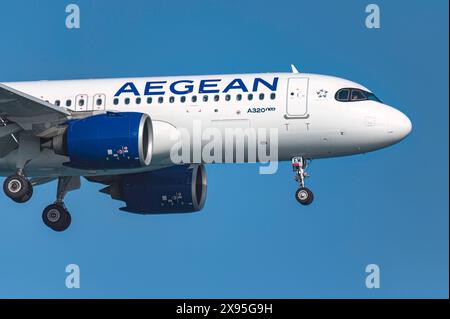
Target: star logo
point(322, 94)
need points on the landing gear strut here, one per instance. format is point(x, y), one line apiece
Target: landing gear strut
point(56, 216)
point(18, 187)
point(303, 195)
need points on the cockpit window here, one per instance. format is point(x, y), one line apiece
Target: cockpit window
point(343, 95)
point(355, 95)
point(373, 97)
point(358, 95)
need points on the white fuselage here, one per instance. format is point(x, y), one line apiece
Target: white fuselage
point(310, 121)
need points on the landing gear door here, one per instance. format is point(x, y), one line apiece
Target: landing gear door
point(297, 98)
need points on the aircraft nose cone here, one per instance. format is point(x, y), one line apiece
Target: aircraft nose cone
point(400, 125)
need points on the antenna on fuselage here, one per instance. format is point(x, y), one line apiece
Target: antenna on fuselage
point(294, 69)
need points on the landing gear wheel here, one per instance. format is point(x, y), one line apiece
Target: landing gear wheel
point(304, 196)
point(56, 217)
point(18, 188)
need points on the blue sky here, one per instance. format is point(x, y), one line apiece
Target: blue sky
point(252, 239)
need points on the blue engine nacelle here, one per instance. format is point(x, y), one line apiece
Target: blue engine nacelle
point(107, 141)
point(178, 189)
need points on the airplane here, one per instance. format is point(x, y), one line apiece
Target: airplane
point(120, 132)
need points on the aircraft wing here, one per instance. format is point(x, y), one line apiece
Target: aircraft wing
point(30, 113)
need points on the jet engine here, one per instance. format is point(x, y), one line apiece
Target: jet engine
point(177, 189)
point(107, 141)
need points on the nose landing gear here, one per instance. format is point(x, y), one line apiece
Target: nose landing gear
point(303, 195)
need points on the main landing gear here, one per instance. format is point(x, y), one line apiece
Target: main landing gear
point(56, 216)
point(303, 195)
point(18, 187)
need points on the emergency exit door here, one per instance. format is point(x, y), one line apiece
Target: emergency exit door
point(297, 99)
point(99, 102)
point(81, 103)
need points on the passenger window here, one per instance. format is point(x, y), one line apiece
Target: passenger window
point(81, 102)
point(149, 100)
point(127, 100)
point(216, 98)
point(194, 98)
point(57, 103)
point(183, 99)
point(358, 95)
point(272, 96)
point(261, 96)
point(343, 95)
point(227, 97)
point(98, 102)
point(238, 97)
point(205, 98)
point(116, 101)
point(138, 100)
point(160, 99)
point(250, 97)
point(171, 99)
point(69, 103)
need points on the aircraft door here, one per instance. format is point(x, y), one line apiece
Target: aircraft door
point(81, 103)
point(99, 101)
point(297, 99)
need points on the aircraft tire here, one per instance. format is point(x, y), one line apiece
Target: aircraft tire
point(304, 196)
point(18, 188)
point(26, 197)
point(56, 217)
